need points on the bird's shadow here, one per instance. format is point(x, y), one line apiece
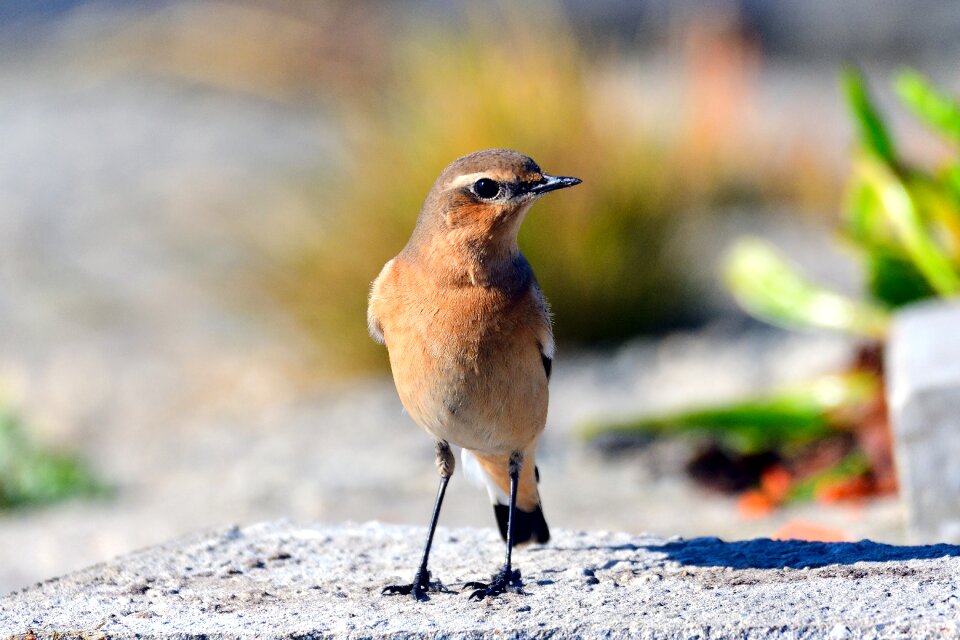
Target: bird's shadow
point(764, 553)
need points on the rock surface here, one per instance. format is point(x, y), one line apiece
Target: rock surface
point(280, 580)
point(923, 369)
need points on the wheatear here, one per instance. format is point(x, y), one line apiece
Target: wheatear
point(470, 342)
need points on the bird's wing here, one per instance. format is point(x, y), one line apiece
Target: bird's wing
point(544, 330)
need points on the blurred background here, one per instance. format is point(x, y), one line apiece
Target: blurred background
point(195, 195)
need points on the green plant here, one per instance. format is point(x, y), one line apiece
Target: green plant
point(788, 418)
point(30, 475)
point(903, 221)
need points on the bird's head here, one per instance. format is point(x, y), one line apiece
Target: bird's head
point(479, 200)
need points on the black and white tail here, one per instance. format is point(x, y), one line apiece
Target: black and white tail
point(528, 526)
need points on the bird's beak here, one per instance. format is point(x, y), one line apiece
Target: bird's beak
point(552, 183)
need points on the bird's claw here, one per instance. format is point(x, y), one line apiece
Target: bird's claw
point(506, 580)
point(418, 589)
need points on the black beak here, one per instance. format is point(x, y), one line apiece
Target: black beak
point(552, 183)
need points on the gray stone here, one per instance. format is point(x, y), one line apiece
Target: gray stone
point(282, 580)
point(923, 393)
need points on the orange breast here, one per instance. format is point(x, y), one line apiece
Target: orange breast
point(465, 360)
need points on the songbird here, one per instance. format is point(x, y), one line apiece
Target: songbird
point(470, 341)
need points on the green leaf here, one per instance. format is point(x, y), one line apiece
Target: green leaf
point(770, 288)
point(936, 197)
point(795, 416)
point(952, 179)
point(872, 130)
point(918, 244)
point(937, 110)
point(894, 280)
point(863, 220)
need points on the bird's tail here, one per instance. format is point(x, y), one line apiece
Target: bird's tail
point(527, 526)
point(493, 473)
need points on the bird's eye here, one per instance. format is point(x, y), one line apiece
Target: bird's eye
point(486, 188)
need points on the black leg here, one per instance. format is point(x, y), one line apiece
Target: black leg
point(421, 580)
point(508, 579)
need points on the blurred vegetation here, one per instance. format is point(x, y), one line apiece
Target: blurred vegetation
point(30, 475)
point(903, 221)
point(601, 252)
point(788, 418)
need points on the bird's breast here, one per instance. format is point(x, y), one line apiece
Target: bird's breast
point(466, 361)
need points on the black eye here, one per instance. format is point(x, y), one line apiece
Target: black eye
point(486, 188)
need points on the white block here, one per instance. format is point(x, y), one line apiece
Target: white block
point(923, 394)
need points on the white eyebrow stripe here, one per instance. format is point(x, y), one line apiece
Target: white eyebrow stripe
point(466, 179)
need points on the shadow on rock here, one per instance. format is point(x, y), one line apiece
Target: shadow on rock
point(764, 553)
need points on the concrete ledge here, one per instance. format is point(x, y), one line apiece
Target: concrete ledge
point(280, 580)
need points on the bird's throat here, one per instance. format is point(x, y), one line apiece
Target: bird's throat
point(484, 262)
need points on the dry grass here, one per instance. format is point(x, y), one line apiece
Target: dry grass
point(598, 250)
point(409, 99)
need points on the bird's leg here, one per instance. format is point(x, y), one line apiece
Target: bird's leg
point(421, 580)
point(508, 578)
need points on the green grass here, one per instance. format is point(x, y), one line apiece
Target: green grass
point(31, 475)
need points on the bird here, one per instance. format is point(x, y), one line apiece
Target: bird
point(470, 342)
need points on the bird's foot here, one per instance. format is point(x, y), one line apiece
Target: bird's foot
point(418, 589)
point(506, 580)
